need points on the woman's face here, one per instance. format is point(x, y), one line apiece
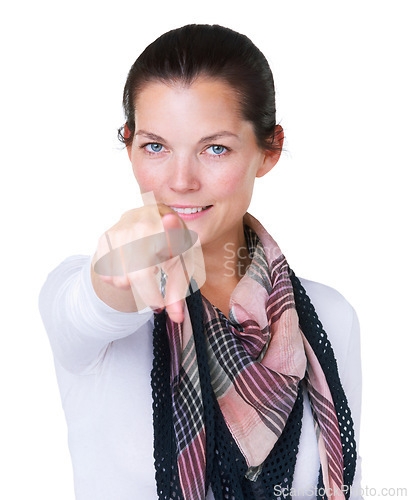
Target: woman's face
point(195, 152)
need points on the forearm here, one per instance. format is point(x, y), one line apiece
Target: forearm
point(79, 324)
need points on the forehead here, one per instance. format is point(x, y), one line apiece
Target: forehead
point(205, 99)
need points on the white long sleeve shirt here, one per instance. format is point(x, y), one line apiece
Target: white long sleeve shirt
point(103, 360)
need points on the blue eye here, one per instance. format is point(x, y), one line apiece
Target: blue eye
point(155, 147)
point(218, 150)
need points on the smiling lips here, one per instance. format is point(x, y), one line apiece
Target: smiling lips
point(189, 210)
point(189, 213)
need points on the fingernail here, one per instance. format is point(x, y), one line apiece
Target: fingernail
point(169, 214)
point(177, 318)
point(173, 215)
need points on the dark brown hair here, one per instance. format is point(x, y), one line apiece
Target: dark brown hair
point(183, 54)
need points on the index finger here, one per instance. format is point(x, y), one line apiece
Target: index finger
point(177, 276)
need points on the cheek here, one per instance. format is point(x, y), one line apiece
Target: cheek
point(146, 180)
point(236, 183)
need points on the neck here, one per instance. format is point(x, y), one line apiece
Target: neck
point(226, 261)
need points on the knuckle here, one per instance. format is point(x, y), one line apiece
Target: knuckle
point(121, 282)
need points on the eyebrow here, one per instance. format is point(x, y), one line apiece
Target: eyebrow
point(208, 138)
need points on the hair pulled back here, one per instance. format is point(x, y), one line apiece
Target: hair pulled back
point(184, 54)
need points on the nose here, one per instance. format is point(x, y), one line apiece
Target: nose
point(183, 174)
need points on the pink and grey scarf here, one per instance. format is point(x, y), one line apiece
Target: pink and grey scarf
point(234, 389)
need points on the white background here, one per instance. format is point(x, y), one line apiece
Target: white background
point(336, 202)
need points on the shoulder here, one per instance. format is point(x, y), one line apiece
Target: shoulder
point(337, 316)
point(328, 302)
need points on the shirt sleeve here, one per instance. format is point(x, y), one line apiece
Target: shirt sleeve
point(80, 326)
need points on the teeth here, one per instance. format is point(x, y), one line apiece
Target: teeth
point(188, 210)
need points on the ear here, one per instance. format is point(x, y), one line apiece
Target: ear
point(271, 157)
point(126, 135)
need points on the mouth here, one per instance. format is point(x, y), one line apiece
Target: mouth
point(190, 210)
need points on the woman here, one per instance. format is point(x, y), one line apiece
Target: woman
point(241, 372)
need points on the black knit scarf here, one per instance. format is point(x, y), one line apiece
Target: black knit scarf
point(226, 467)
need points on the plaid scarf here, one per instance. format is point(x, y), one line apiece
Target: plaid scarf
point(256, 360)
